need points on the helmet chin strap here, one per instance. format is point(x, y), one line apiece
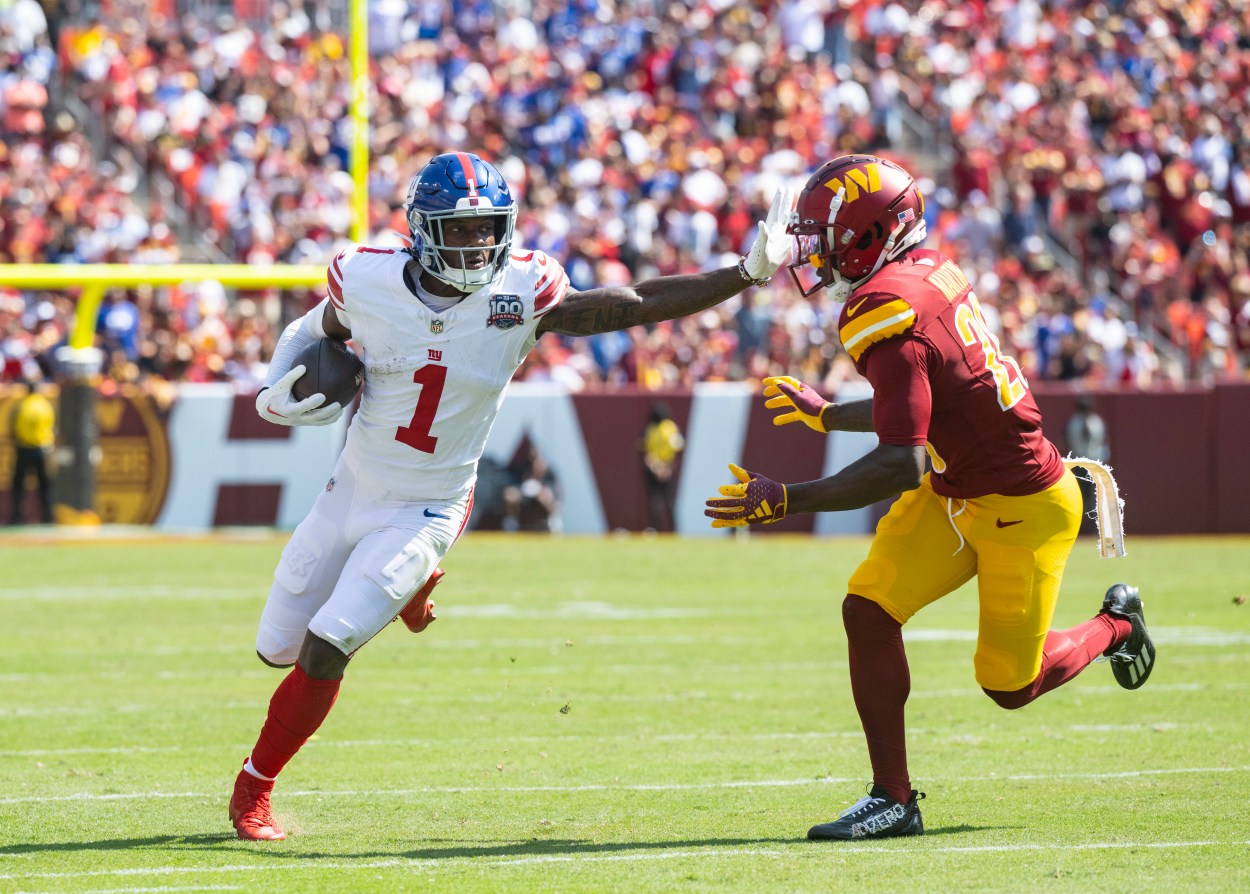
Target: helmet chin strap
point(840, 289)
point(463, 284)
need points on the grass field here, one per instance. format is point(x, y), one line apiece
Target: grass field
point(617, 714)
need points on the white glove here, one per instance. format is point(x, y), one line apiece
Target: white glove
point(275, 404)
point(772, 244)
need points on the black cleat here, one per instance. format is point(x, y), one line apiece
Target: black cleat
point(1134, 659)
point(876, 816)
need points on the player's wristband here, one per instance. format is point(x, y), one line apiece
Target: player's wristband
point(742, 271)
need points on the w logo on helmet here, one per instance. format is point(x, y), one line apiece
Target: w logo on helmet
point(867, 179)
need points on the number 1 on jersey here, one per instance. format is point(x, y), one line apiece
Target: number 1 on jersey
point(416, 434)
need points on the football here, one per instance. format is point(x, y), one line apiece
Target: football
point(330, 369)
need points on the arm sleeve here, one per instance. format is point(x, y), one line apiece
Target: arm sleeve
point(297, 336)
point(901, 402)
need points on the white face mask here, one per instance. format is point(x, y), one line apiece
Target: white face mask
point(432, 255)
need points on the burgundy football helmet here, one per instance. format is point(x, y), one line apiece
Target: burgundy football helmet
point(856, 213)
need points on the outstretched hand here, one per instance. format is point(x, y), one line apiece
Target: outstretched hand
point(788, 393)
point(772, 244)
point(754, 500)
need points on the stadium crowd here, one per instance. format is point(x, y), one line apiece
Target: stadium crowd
point(1087, 162)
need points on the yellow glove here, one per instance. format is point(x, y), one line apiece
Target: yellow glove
point(755, 500)
point(806, 406)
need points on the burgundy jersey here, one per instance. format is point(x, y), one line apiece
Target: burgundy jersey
point(940, 379)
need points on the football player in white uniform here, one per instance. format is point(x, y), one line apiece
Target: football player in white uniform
point(443, 326)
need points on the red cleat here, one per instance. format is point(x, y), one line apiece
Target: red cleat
point(250, 810)
point(418, 614)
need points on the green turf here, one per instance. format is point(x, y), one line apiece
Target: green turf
point(618, 714)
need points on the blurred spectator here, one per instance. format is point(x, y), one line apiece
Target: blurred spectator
point(1073, 155)
point(531, 498)
point(661, 443)
point(1123, 124)
point(23, 24)
point(32, 426)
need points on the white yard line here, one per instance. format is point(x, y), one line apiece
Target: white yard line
point(548, 741)
point(67, 752)
point(915, 848)
point(656, 787)
point(866, 849)
point(570, 689)
point(93, 593)
point(163, 888)
point(585, 609)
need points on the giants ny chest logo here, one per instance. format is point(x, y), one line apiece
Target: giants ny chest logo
point(506, 311)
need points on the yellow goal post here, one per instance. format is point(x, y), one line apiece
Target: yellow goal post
point(95, 279)
point(80, 360)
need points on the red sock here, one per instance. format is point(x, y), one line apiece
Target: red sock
point(880, 682)
point(1065, 654)
point(297, 708)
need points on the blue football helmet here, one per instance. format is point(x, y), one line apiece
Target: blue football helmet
point(459, 185)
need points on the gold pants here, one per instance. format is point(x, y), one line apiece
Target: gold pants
point(928, 546)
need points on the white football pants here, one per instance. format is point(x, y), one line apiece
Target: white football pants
point(353, 564)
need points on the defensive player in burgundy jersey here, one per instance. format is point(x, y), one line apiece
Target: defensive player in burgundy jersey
point(998, 502)
point(442, 328)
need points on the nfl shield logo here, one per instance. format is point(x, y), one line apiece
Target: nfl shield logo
point(436, 327)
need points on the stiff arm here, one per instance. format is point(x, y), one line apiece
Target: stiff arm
point(650, 301)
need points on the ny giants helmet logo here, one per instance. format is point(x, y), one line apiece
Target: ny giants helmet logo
point(506, 311)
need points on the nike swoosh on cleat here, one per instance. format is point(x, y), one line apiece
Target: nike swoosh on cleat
point(1002, 524)
point(429, 514)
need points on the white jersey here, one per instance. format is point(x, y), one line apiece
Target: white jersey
point(434, 381)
